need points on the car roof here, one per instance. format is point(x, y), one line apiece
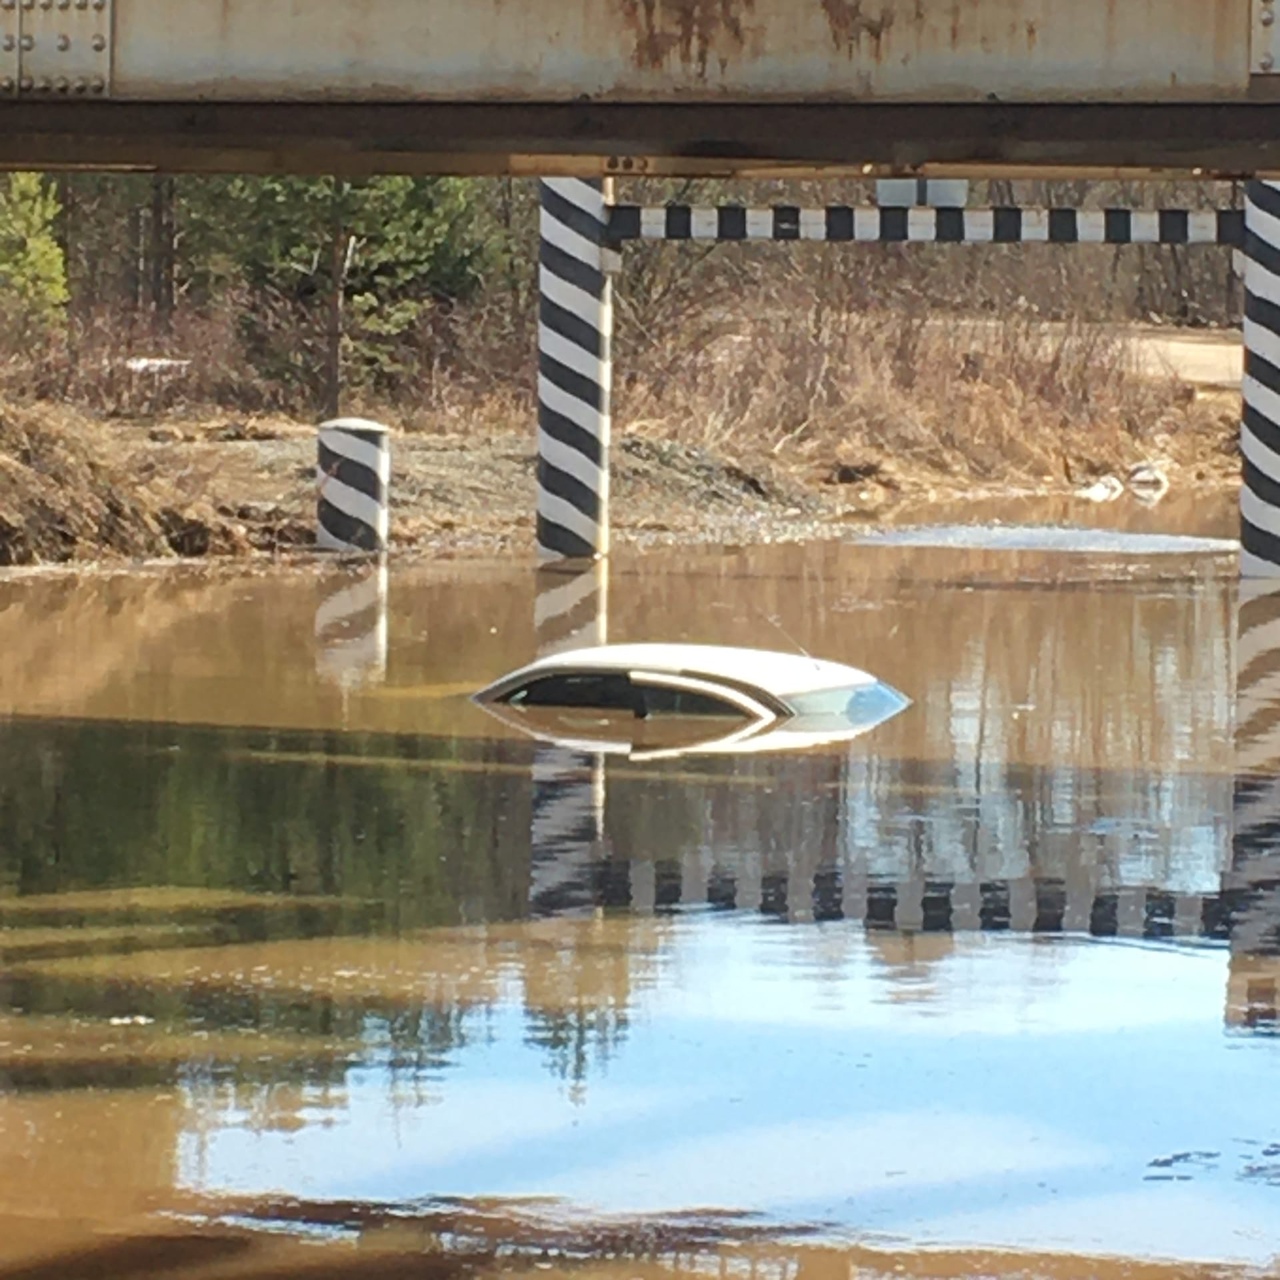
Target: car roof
point(779, 674)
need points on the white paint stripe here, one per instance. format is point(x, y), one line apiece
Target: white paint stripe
point(1091, 226)
point(588, 198)
point(570, 298)
point(570, 461)
point(568, 241)
point(759, 224)
point(1144, 227)
point(979, 226)
point(569, 354)
point(1258, 514)
point(813, 224)
point(1035, 225)
point(359, 506)
point(366, 654)
point(567, 516)
point(866, 224)
point(1252, 566)
point(922, 225)
point(368, 593)
point(1261, 282)
point(704, 224)
point(653, 223)
point(1263, 224)
point(369, 456)
point(1202, 226)
point(1262, 341)
point(577, 411)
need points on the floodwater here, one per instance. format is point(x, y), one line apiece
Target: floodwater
point(310, 966)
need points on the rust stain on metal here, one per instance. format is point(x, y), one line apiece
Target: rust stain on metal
point(694, 31)
point(851, 20)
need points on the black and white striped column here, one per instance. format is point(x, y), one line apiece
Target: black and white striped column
point(575, 331)
point(1260, 428)
point(353, 477)
point(351, 627)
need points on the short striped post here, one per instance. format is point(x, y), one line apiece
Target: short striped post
point(351, 627)
point(353, 477)
point(575, 331)
point(1260, 427)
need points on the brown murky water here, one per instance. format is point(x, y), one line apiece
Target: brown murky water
point(310, 966)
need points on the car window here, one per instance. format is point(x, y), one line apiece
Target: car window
point(663, 700)
point(607, 691)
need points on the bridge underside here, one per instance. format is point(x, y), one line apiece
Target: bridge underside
point(1232, 139)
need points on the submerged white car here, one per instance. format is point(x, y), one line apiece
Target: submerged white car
point(654, 700)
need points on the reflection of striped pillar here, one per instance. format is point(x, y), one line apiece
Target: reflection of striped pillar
point(571, 609)
point(353, 475)
point(1254, 879)
point(351, 628)
point(1260, 428)
point(566, 833)
point(574, 372)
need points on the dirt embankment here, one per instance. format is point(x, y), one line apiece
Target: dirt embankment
point(76, 488)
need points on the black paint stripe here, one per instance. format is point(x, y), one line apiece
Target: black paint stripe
point(893, 225)
point(573, 270)
point(1117, 226)
point(1006, 225)
point(1262, 486)
point(569, 488)
point(352, 474)
point(1259, 542)
point(1261, 311)
point(1262, 428)
point(561, 626)
point(563, 542)
point(1063, 226)
point(351, 626)
point(571, 382)
point(786, 222)
point(1174, 226)
point(679, 222)
point(624, 222)
point(570, 434)
point(1231, 227)
point(345, 528)
point(950, 226)
point(1261, 369)
point(840, 223)
point(575, 219)
point(1262, 252)
point(731, 222)
point(1265, 197)
point(570, 327)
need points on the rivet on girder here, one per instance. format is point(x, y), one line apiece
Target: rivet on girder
point(6, 85)
point(1267, 17)
point(1267, 63)
point(25, 84)
point(64, 43)
point(28, 43)
point(9, 44)
point(99, 43)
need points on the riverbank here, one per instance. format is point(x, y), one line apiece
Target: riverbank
point(75, 488)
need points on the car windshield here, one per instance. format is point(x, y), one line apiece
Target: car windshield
point(618, 691)
point(864, 704)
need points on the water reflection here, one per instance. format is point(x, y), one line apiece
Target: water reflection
point(253, 965)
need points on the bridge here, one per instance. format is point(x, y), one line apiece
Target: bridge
point(594, 87)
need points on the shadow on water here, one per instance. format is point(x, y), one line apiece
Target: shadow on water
point(289, 949)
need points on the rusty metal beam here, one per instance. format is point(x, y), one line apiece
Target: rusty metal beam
point(583, 139)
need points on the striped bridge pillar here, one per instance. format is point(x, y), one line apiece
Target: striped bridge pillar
point(575, 332)
point(351, 627)
point(566, 833)
point(353, 477)
point(1260, 427)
